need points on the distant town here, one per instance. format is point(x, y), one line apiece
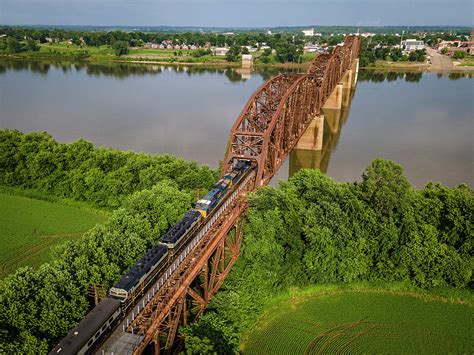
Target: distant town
point(445, 48)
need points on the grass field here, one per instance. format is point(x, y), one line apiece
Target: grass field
point(363, 321)
point(29, 228)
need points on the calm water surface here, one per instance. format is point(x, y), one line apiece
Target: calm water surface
point(422, 121)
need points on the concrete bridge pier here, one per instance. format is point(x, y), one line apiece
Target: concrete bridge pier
point(314, 148)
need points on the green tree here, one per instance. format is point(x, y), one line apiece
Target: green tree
point(459, 54)
point(120, 48)
point(233, 54)
point(31, 45)
point(13, 45)
point(265, 57)
point(287, 52)
point(384, 187)
point(413, 56)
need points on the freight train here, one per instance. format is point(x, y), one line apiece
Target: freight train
point(156, 266)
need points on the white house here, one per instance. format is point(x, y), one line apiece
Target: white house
point(412, 45)
point(220, 51)
point(309, 32)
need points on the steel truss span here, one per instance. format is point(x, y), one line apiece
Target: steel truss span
point(279, 112)
point(267, 129)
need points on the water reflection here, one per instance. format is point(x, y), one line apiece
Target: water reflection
point(334, 120)
point(408, 76)
point(124, 70)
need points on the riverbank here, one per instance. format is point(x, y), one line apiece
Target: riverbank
point(463, 66)
point(211, 63)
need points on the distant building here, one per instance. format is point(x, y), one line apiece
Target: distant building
point(220, 51)
point(412, 45)
point(457, 45)
point(309, 32)
point(247, 60)
point(311, 48)
point(152, 45)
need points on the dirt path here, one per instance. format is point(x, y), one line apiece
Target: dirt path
point(439, 61)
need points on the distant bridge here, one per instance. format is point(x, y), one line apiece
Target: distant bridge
point(285, 110)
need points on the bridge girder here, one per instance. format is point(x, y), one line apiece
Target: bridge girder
point(278, 113)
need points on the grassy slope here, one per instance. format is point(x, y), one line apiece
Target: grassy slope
point(363, 321)
point(30, 227)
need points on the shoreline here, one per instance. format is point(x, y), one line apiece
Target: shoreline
point(381, 66)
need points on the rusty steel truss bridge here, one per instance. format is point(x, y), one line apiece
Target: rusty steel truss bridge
point(272, 122)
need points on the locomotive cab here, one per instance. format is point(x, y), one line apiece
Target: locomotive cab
point(203, 206)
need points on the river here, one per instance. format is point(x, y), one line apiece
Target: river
point(422, 121)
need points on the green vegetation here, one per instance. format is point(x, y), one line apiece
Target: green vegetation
point(313, 230)
point(120, 48)
point(39, 306)
point(31, 227)
point(459, 54)
point(361, 320)
point(233, 54)
point(103, 177)
point(380, 49)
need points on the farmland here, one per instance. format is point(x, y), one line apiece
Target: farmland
point(363, 321)
point(30, 227)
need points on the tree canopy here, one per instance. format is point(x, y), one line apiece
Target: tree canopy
point(312, 230)
point(102, 176)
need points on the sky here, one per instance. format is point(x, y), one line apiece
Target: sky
point(237, 13)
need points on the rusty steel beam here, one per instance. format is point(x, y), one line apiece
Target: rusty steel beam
point(282, 108)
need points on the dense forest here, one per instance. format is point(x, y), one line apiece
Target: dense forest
point(310, 230)
point(80, 171)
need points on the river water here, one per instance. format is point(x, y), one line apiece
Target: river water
point(422, 121)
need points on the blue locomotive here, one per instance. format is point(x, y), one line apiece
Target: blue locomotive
point(152, 269)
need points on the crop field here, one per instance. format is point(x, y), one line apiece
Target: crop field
point(369, 322)
point(29, 228)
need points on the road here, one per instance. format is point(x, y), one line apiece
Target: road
point(439, 61)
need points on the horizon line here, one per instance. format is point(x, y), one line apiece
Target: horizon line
point(236, 27)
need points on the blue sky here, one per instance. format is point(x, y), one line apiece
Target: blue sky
point(237, 13)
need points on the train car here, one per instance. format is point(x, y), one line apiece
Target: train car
point(220, 189)
point(175, 235)
point(141, 274)
point(83, 337)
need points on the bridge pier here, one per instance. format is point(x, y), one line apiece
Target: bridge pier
point(315, 146)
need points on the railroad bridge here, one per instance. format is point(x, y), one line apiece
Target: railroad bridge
point(285, 111)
